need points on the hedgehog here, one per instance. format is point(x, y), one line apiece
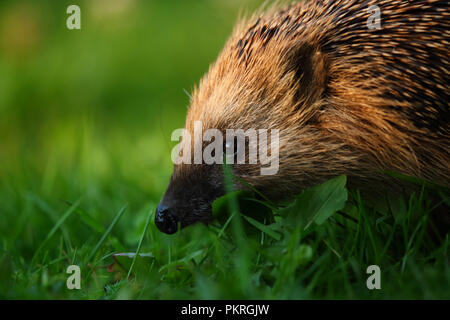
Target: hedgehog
point(347, 98)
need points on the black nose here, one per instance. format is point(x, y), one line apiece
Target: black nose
point(166, 221)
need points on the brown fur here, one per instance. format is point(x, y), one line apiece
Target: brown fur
point(346, 99)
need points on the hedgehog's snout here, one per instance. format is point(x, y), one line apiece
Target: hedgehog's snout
point(189, 197)
point(166, 221)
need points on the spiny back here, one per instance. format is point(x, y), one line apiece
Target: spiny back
point(410, 51)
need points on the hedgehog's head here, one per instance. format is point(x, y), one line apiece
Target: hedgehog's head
point(267, 83)
point(198, 176)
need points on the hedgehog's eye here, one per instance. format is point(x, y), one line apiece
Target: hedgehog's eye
point(230, 148)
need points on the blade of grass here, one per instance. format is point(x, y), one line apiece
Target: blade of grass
point(103, 238)
point(87, 219)
point(226, 225)
point(263, 227)
point(54, 229)
point(139, 245)
point(52, 214)
point(108, 231)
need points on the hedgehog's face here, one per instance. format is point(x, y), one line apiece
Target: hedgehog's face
point(198, 178)
point(193, 187)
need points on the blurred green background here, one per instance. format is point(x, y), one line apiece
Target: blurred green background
point(88, 113)
point(101, 102)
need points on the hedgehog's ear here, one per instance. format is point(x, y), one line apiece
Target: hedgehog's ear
point(310, 69)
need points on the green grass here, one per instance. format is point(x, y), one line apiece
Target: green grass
point(318, 246)
point(85, 124)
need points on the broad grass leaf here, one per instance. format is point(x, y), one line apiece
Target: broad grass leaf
point(317, 204)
